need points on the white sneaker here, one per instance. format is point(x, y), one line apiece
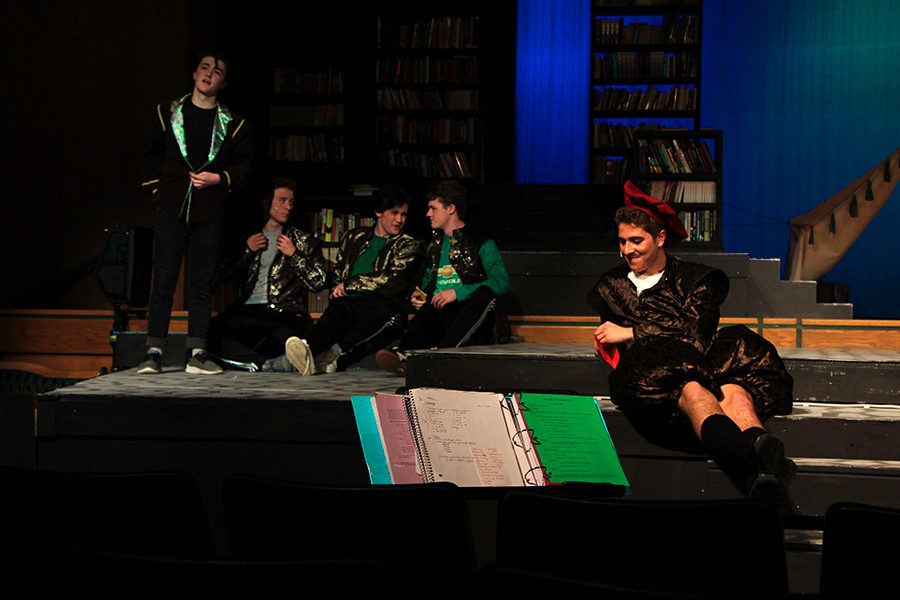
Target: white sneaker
point(298, 352)
point(202, 364)
point(327, 361)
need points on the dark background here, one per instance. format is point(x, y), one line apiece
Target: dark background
point(81, 82)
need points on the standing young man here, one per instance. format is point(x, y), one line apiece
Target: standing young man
point(201, 151)
point(464, 275)
point(279, 266)
point(373, 273)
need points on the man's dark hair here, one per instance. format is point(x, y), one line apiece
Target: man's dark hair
point(278, 182)
point(447, 192)
point(388, 196)
point(218, 56)
point(638, 218)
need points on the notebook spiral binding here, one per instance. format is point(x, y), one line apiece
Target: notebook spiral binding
point(421, 452)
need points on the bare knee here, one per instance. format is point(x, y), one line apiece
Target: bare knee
point(738, 405)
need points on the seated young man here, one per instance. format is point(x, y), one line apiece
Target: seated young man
point(680, 380)
point(464, 275)
point(372, 276)
point(278, 267)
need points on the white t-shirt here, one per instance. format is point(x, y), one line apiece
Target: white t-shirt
point(644, 282)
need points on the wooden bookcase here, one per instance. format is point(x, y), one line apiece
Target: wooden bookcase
point(645, 70)
point(428, 93)
point(684, 168)
point(307, 117)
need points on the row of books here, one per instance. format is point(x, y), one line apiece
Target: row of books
point(612, 99)
point(319, 147)
point(674, 155)
point(446, 164)
point(700, 225)
point(675, 29)
point(329, 225)
point(427, 69)
point(292, 81)
point(434, 32)
point(605, 134)
point(626, 3)
point(658, 64)
point(407, 99)
point(403, 130)
point(307, 115)
point(611, 171)
point(684, 192)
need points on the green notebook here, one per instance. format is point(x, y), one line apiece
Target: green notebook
point(571, 439)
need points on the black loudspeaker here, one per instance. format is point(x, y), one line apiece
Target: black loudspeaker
point(124, 266)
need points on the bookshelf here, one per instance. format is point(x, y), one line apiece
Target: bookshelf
point(645, 71)
point(306, 118)
point(428, 116)
point(684, 168)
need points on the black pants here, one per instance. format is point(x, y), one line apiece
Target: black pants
point(352, 321)
point(455, 324)
point(254, 332)
point(202, 241)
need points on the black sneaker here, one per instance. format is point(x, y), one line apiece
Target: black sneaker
point(202, 364)
point(279, 364)
point(152, 363)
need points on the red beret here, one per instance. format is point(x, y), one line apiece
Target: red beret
point(658, 210)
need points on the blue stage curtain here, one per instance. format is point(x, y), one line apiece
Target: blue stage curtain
point(807, 94)
point(552, 82)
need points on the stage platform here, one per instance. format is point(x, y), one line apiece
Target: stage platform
point(842, 432)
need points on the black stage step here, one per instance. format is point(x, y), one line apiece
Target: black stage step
point(842, 431)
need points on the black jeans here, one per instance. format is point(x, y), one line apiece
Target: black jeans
point(454, 325)
point(354, 322)
point(254, 332)
point(202, 241)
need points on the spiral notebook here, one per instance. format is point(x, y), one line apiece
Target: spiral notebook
point(485, 439)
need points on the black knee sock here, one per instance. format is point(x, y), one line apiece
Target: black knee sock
point(730, 449)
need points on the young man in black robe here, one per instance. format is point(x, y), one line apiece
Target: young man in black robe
point(677, 377)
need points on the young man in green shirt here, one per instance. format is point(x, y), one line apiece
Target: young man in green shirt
point(372, 275)
point(464, 275)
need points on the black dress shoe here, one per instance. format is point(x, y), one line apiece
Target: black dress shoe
point(775, 474)
point(770, 459)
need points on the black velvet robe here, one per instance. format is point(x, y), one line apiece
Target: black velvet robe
point(676, 340)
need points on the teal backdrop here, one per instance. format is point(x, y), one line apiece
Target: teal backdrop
point(805, 91)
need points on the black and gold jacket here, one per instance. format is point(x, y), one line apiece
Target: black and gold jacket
point(464, 246)
point(290, 277)
point(395, 266)
point(166, 168)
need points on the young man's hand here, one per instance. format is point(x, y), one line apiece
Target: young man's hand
point(442, 299)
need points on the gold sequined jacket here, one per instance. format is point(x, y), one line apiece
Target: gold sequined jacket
point(394, 270)
point(290, 277)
